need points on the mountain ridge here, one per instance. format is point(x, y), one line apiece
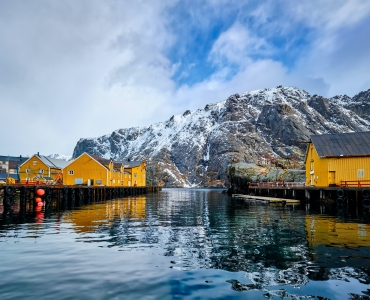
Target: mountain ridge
point(194, 149)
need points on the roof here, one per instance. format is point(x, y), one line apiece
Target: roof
point(15, 158)
point(130, 164)
point(342, 144)
point(53, 162)
point(100, 159)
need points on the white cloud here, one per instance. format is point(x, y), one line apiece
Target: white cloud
point(235, 44)
point(72, 69)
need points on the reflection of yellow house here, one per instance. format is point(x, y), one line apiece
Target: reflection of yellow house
point(89, 220)
point(40, 167)
point(332, 159)
point(331, 232)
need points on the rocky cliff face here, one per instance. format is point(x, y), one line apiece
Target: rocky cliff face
point(194, 149)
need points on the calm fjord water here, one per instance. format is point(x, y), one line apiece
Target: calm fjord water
point(185, 244)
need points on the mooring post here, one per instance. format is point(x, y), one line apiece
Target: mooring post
point(307, 195)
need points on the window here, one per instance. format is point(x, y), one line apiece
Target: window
point(28, 171)
point(135, 175)
point(360, 173)
point(34, 162)
point(71, 172)
point(41, 171)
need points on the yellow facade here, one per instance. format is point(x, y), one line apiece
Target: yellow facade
point(138, 175)
point(325, 171)
point(85, 169)
point(127, 178)
point(98, 171)
point(34, 168)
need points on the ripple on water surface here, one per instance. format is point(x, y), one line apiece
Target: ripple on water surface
point(185, 243)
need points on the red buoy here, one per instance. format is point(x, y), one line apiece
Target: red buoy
point(38, 199)
point(40, 192)
point(40, 204)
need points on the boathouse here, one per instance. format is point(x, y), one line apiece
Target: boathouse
point(88, 170)
point(136, 171)
point(41, 168)
point(341, 159)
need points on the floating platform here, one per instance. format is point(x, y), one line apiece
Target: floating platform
point(266, 199)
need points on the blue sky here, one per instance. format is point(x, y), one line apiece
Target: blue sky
point(83, 68)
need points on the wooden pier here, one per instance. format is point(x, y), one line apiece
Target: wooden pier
point(266, 199)
point(23, 197)
point(345, 197)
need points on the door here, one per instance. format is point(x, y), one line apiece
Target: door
point(312, 172)
point(331, 179)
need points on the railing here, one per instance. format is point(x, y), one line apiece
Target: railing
point(354, 183)
point(36, 182)
point(276, 184)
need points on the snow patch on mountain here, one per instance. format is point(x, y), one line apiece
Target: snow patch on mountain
point(194, 149)
point(60, 156)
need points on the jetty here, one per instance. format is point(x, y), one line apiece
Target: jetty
point(26, 198)
point(266, 199)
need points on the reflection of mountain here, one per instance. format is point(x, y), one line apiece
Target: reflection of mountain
point(92, 217)
point(199, 229)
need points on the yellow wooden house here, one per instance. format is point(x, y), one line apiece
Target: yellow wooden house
point(136, 173)
point(88, 170)
point(41, 169)
point(341, 159)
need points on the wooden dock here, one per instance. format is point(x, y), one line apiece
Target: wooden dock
point(25, 198)
point(266, 199)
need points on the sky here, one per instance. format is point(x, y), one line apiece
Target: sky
point(72, 69)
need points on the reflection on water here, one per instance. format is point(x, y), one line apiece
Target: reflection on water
point(205, 245)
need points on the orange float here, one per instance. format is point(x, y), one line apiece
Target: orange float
point(40, 192)
point(38, 199)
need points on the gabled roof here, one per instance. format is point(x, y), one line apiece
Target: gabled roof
point(342, 144)
point(53, 162)
point(130, 164)
point(50, 162)
point(102, 160)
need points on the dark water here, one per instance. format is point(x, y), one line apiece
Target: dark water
point(185, 244)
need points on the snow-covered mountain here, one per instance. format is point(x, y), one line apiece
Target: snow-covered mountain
point(61, 156)
point(194, 149)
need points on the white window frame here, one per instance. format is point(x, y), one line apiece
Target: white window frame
point(34, 162)
point(28, 171)
point(71, 172)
